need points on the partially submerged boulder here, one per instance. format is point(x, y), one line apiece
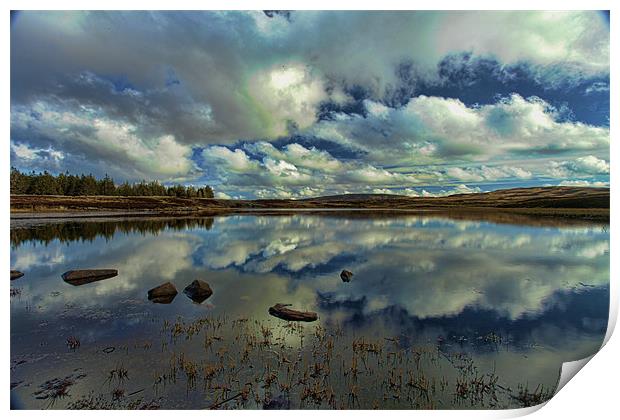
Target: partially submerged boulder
point(198, 291)
point(16, 274)
point(164, 293)
point(280, 310)
point(346, 276)
point(80, 277)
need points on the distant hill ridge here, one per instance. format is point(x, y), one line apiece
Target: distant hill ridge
point(567, 198)
point(559, 197)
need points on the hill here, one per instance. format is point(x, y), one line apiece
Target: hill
point(574, 202)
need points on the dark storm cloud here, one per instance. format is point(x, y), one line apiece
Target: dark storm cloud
point(212, 55)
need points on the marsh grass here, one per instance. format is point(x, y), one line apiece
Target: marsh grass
point(57, 389)
point(254, 364)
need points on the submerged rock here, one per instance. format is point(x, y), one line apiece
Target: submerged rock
point(278, 403)
point(164, 293)
point(198, 291)
point(280, 310)
point(346, 276)
point(16, 274)
point(80, 277)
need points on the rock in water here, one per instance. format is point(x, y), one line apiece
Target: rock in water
point(280, 310)
point(346, 276)
point(278, 403)
point(80, 277)
point(164, 293)
point(16, 274)
point(198, 291)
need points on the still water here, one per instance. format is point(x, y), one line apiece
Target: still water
point(440, 313)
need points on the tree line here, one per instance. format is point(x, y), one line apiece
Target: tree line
point(44, 183)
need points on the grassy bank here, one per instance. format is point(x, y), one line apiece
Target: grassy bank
point(556, 202)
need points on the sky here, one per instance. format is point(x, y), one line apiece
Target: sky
point(300, 104)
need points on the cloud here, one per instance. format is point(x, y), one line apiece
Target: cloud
point(589, 164)
point(578, 167)
point(291, 93)
point(486, 173)
point(236, 161)
point(294, 166)
point(312, 158)
point(372, 175)
point(410, 192)
point(459, 189)
point(222, 91)
point(243, 74)
point(277, 192)
point(431, 130)
point(420, 143)
point(541, 38)
point(597, 87)
point(584, 183)
point(28, 154)
point(86, 133)
point(222, 195)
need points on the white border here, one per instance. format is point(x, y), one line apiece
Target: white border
point(593, 394)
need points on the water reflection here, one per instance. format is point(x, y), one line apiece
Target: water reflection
point(89, 230)
point(538, 293)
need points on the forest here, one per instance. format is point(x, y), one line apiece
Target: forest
point(44, 183)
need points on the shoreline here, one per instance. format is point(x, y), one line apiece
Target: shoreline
point(529, 217)
point(569, 203)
